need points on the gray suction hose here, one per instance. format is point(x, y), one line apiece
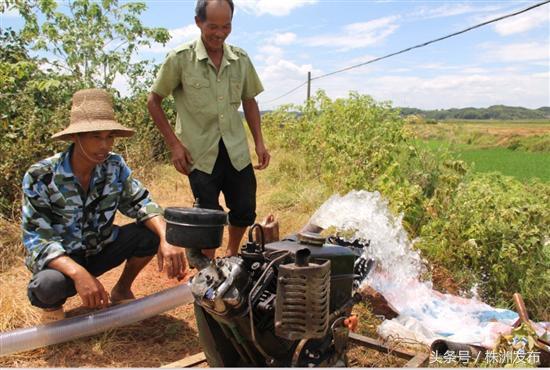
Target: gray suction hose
point(81, 326)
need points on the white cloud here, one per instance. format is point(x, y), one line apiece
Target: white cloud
point(286, 38)
point(446, 90)
point(272, 7)
point(542, 75)
point(370, 26)
point(178, 37)
point(281, 76)
point(520, 52)
point(269, 54)
point(358, 60)
point(285, 70)
point(356, 35)
point(475, 70)
point(438, 66)
point(449, 10)
point(524, 22)
point(460, 90)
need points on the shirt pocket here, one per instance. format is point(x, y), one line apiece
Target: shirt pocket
point(196, 90)
point(235, 91)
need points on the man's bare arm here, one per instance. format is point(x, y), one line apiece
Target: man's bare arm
point(181, 157)
point(252, 115)
point(169, 257)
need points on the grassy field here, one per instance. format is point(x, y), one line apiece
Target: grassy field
point(504, 123)
point(514, 148)
point(519, 164)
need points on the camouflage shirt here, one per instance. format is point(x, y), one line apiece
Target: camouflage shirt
point(59, 218)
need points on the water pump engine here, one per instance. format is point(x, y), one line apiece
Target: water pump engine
point(280, 304)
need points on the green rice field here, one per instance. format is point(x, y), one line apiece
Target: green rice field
point(519, 164)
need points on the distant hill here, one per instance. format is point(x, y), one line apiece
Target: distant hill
point(497, 112)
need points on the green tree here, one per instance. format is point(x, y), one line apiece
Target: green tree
point(33, 105)
point(94, 41)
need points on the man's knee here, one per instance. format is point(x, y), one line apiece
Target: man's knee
point(242, 209)
point(50, 288)
point(242, 217)
point(148, 243)
point(240, 196)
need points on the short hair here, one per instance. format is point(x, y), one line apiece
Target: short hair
point(200, 8)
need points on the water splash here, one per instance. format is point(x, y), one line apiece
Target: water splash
point(368, 215)
point(424, 313)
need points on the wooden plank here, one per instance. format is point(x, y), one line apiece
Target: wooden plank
point(415, 359)
point(379, 346)
point(190, 361)
point(418, 361)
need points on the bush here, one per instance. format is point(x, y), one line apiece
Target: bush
point(493, 233)
point(34, 105)
point(357, 143)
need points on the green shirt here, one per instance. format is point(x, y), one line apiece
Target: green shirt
point(207, 101)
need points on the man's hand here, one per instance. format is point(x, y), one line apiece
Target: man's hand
point(169, 258)
point(91, 291)
point(181, 158)
point(263, 157)
point(173, 259)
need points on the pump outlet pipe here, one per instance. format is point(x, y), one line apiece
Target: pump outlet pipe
point(82, 326)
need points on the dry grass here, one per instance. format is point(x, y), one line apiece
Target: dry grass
point(150, 343)
point(14, 304)
point(361, 356)
point(11, 249)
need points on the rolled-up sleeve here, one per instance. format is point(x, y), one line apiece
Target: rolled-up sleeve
point(41, 241)
point(252, 85)
point(135, 200)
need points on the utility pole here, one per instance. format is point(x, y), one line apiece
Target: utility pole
point(308, 85)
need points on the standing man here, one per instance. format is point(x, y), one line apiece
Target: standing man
point(209, 80)
point(69, 205)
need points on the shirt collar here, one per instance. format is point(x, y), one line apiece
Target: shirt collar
point(203, 54)
point(66, 168)
point(201, 50)
point(228, 53)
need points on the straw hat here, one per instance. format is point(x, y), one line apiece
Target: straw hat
point(92, 110)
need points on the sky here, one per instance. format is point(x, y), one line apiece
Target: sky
point(507, 62)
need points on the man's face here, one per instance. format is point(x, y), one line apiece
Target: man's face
point(217, 26)
point(95, 146)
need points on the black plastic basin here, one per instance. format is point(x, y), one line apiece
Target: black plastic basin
point(197, 228)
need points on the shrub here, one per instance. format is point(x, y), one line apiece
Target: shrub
point(494, 233)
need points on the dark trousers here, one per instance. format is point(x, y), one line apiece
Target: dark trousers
point(50, 288)
point(238, 188)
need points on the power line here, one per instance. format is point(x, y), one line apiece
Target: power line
point(413, 47)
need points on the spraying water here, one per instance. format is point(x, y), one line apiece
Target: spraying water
point(424, 314)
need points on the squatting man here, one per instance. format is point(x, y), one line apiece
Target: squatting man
point(69, 205)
